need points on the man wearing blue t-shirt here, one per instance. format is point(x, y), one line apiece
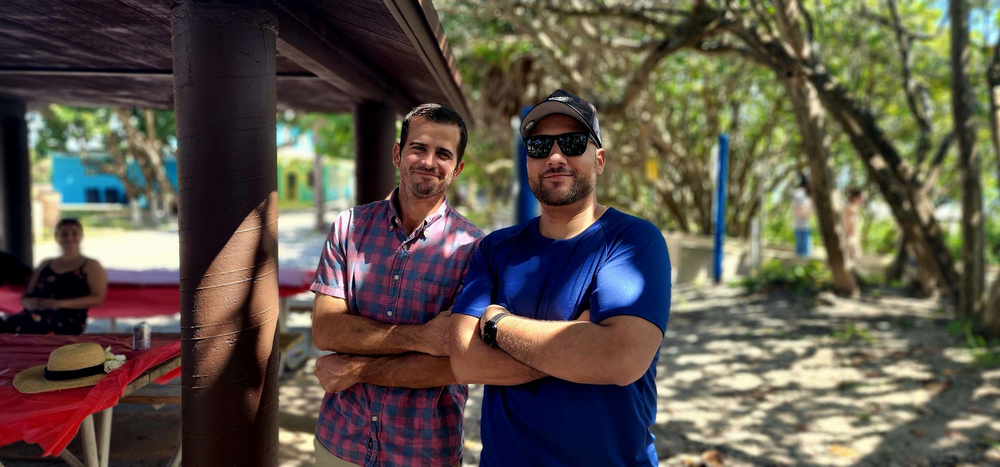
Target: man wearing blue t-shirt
point(561, 317)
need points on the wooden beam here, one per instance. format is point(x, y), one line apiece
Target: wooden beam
point(65, 71)
point(419, 22)
point(309, 42)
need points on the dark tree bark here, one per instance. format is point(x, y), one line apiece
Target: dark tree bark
point(786, 48)
point(973, 234)
point(990, 322)
point(809, 115)
point(908, 201)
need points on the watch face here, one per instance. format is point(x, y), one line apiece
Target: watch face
point(490, 334)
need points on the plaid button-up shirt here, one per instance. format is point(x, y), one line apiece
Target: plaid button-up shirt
point(390, 277)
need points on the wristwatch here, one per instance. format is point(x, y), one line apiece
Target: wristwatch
point(490, 330)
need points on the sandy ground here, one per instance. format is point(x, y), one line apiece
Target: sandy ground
point(299, 246)
point(759, 379)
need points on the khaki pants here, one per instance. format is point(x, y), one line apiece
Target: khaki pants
point(325, 459)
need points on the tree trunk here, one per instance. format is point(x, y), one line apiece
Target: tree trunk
point(993, 79)
point(146, 150)
point(895, 270)
point(991, 311)
point(973, 233)
point(909, 202)
point(319, 185)
point(809, 115)
point(990, 322)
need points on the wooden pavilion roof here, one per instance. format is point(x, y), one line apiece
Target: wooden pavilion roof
point(331, 54)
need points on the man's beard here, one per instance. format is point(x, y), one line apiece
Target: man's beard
point(424, 190)
point(581, 188)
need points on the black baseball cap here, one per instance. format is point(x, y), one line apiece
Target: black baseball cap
point(566, 103)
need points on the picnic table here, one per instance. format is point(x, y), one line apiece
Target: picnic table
point(156, 292)
point(152, 292)
point(52, 419)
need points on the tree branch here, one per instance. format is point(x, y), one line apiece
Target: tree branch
point(934, 169)
point(603, 11)
point(702, 22)
point(911, 87)
point(891, 24)
point(545, 40)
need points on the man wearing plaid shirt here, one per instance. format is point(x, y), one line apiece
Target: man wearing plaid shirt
point(387, 273)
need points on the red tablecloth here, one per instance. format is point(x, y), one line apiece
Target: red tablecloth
point(52, 419)
point(141, 294)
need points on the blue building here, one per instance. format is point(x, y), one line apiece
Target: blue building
point(78, 184)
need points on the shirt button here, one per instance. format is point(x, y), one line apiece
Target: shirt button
point(389, 313)
point(396, 277)
point(374, 418)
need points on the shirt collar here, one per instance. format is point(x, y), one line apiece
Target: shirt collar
point(396, 221)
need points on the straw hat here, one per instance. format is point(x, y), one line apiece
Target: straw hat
point(70, 366)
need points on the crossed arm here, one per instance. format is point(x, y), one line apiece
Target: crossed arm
point(616, 351)
point(411, 356)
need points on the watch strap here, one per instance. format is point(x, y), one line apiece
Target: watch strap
point(490, 336)
point(496, 319)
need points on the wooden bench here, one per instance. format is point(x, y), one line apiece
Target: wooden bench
point(293, 348)
point(156, 394)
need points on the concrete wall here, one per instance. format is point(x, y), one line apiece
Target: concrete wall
point(691, 258)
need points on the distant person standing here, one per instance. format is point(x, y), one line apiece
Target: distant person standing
point(851, 219)
point(802, 211)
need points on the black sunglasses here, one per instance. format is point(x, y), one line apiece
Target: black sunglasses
point(571, 144)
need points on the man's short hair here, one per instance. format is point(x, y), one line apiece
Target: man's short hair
point(436, 113)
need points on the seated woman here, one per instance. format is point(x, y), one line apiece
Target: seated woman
point(61, 289)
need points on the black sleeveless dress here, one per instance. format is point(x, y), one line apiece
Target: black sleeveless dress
point(58, 286)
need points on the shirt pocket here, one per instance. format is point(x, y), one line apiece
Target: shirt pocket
point(424, 300)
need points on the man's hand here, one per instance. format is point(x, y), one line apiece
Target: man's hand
point(437, 335)
point(337, 372)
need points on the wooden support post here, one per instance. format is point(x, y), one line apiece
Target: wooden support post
point(15, 182)
point(374, 136)
point(225, 97)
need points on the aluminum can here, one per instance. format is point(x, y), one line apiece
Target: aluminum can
point(141, 335)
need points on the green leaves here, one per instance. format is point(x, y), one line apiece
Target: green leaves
point(811, 277)
point(332, 135)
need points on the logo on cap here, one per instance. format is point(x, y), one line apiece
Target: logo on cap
point(559, 98)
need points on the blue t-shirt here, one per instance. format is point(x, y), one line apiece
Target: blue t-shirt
point(617, 266)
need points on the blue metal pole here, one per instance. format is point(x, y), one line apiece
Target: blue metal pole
point(526, 204)
point(720, 209)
